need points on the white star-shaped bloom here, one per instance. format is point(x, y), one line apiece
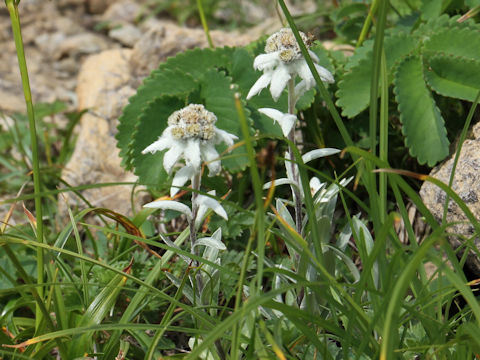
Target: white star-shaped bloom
point(283, 61)
point(286, 121)
point(315, 184)
point(191, 135)
point(204, 204)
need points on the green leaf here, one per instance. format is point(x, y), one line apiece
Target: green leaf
point(361, 53)
point(96, 312)
point(453, 76)
point(431, 8)
point(175, 77)
point(152, 122)
point(472, 3)
point(423, 125)
point(354, 89)
point(455, 41)
point(218, 93)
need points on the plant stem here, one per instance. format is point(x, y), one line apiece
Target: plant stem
point(203, 19)
point(17, 35)
point(195, 189)
point(383, 149)
point(291, 136)
point(196, 179)
point(367, 23)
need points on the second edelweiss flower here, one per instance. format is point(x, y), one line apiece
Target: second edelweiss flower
point(191, 134)
point(283, 61)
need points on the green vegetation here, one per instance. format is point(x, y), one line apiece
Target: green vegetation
point(254, 269)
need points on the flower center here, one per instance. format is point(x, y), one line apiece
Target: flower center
point(193, 121)
point(285, 43)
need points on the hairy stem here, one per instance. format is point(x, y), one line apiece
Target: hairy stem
point(196, 179)
point(291, 136)
point(17, 34)
point(195, 189)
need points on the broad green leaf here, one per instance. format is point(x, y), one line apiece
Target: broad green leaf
point(453, 76)
point(472, 3)
point(431, 8)
point(423, 125)
point(361, 53)
point(464, 42)
point(441, 23)
point(218, 93)
point(152, 122)
point(354, 89)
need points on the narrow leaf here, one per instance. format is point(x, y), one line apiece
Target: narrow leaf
point(96, 312)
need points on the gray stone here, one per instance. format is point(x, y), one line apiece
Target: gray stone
point(98, 6)
point(126, 34)
point(467, 185)
point(81, 44)
point(122, 12)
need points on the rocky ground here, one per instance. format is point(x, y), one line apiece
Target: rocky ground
point(92, 55)
point(59, 35)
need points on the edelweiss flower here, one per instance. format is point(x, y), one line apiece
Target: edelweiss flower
point(283, 61)
point(315, 184)
point(286, 121)
point(205, 202)
point(191, 134)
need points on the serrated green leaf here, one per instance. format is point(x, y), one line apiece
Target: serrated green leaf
point(354, 89)
point(152, 122)
point(361, 53)
point(423, 125)
point(464, 42)
point(440, 23)
point(173, 78)
point(218, 93)
point(453, 76)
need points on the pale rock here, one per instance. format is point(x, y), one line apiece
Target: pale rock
point(467, 185)
point(12, 101)
point(164, 38)
point(102, 89)
point(126, 34)
point(81, 44)
point(122, 12)
point(49, 43)
point(98, 6)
